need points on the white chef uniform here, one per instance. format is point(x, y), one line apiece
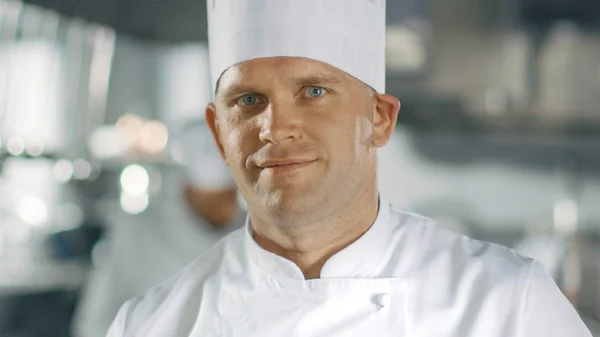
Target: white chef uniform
point(406, 276)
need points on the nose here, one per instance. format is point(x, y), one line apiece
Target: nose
point(280, 123)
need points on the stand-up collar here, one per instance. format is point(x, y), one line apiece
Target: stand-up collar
point(347, 263)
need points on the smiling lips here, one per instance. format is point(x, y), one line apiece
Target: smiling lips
point(284, 165)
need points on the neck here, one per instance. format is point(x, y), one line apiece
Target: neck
point(309, 246)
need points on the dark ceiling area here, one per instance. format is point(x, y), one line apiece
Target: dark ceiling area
point(173, 20)
point(156, 20)
point(544, 12)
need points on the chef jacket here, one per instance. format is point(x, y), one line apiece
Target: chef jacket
point(406, 276)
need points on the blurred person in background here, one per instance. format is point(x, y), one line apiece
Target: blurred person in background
point(144, 250)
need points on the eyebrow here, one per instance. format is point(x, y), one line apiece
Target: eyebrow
point(318, 79)
point(311, 80)
point(236, 89)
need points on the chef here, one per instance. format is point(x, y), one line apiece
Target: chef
point(298, 116)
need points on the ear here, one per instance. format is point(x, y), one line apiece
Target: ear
point(385, 116)
point(210, 115)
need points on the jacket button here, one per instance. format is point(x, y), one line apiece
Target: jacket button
point(384, 300)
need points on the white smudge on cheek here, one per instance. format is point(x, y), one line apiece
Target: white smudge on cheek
point(363, 132)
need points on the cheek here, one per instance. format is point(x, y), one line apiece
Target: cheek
point(343, 131)
point(341, 142)
point(350, 145)
point(236, 144)
point(232, 145)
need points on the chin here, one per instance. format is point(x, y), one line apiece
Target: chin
point(289, 205)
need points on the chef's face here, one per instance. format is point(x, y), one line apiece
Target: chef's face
point(300, 136)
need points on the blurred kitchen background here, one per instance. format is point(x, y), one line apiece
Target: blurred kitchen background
point(498, 136)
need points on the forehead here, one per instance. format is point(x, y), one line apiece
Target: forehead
point(279, 71)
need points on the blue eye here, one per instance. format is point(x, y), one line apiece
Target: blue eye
point(316, 91)
point(248, 100)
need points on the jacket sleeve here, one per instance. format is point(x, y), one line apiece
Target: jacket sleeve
point(546, 311)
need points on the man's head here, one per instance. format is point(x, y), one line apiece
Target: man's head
point(295, 81)
point(273, 112)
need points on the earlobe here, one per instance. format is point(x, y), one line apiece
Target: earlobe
point(210, 115)
point(385, 118)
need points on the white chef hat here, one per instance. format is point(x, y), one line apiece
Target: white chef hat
point(347, 34)
point(193, 145)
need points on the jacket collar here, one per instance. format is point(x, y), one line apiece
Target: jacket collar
point(349, 262)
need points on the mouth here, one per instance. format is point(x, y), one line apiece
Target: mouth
point(285, 165)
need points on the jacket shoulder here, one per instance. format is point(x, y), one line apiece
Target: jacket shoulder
point(435, 246)
point(179, 291)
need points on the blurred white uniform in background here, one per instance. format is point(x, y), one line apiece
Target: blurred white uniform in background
point(144, 250)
